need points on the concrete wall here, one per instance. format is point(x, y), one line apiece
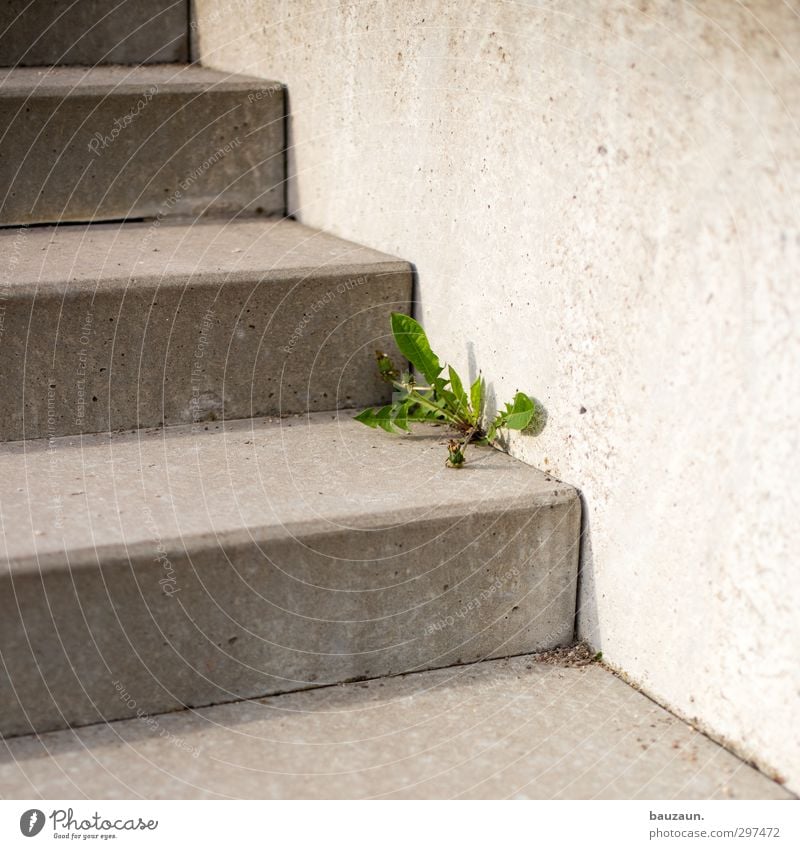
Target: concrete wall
point(601, 200)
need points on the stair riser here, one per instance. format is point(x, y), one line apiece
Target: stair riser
point(112, 155)
point(159, 628)
point(148, 354)
point(41, 32)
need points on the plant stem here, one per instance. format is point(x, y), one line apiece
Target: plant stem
point(414, 394)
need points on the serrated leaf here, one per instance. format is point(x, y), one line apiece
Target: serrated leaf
point(383, 418)
point(367, 417)
point(413, 343)
point(458, 391)
point(401, 415)
point(476, 397)
point(435, 414)
point(519, 413)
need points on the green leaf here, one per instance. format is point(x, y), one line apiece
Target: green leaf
point(516, 416)
point(413, 343)
point(367, 417)
point(476, 397)
point(520, 413)
point(396, 417)
point(401, 415)
point(446, 398)
point(458, 391)
point(424, 416)
point(383, 418)
point(427, 400)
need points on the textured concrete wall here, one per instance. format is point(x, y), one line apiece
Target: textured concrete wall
point(601, 200)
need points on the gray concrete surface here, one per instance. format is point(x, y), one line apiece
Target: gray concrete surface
point(114, 142)
point(116, 326)
point(501, 729)
point(204, 564)
point(601, 200)
point(90, 32)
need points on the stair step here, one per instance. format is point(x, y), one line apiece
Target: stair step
point(502, 729)
point(90, 32)
point(198, 566)
point(113, 142)
point(118, 326)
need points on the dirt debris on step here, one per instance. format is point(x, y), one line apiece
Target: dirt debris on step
point(580, 654)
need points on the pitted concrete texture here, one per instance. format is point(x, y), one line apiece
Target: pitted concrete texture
point(205, 564)
point(601, 200)
point(118, 326)
point(501, 729)
point(114, 142)
point(90, 32)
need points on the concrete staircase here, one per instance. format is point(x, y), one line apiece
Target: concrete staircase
point(183, 523)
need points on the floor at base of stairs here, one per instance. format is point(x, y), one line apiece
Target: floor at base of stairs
point(500, 729)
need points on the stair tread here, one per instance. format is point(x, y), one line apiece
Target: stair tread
point(500, 729)
point(173, 251)
point(194, 485)
point(64, 80)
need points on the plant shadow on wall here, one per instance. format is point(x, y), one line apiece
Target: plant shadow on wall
point(445, 400)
